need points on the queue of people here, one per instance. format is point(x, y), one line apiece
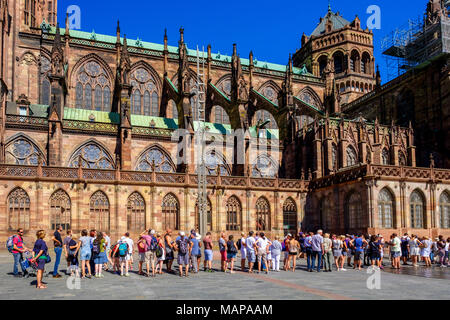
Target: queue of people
point(93, 252)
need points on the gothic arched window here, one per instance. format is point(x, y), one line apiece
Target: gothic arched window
point(135, 212)
point(262, 116)
point(92, 89)
point(224, 85)
point(334, 157)
point(22, 151)
point(170, 212)
point(401, 159)
point(309, 96)
point(208, 216)
point(220, 115)
point(354, 211)
point(264, 167)
point(270, 92)
point(154, 156)
point(99, 212)
point(386, 209)
point(417, 205)
point(352, 158)
point(215, 163)
point(18, 210)
point(290, 217)
point(174, 109)
point(60, 209)
point(234, 214)
point(385, 157)
point(444, 206)
point(145, 95)
point(325, 213)
point(262, 214)
point(92, 156)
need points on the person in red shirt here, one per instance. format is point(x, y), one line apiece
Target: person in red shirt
point(17, 251)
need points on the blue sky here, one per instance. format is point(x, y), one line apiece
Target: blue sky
point(271, 29)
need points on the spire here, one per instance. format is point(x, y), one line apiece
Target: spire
point(118, 32)
point(165, 39)
point(67, 25)
point(329, 6)
point(181, 35)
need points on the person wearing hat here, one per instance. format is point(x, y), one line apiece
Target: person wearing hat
point(184, 250)
point(195, 252)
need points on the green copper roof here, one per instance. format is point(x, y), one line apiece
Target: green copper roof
point(146, 121)
point(216, 128)
point(159, 47)
point(218, 90)
point(337, 21)
point(91, 115)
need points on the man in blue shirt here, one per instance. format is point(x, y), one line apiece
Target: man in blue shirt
point(308, 250)
point(359, 244)
point(317, 249)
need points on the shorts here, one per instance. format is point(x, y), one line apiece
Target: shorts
point(208, 255)
point(358, 255)
point(141, 256)
point(223, 256)
point(286, 254)
point(375, 256)
point(396, 254)
point(127, 257)
point(85, 255)
point(100, 258)
point(169, 256)
point(231, 256)
point(251, 257)
point(243, 254)
point(415, 251)
point(405, 253)
point(262, 255)
point(41, 264)
point(183, 260)
point(337, 253)
point(293, 253)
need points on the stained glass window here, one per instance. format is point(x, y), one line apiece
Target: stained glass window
point(289, 217)
point(174, 109)
point(265, 167)
point(215, 163)
point(224, 85)
point(385, 157)
point(92, 156)
point(444, 205)
point(270, 93)
point(91, 76)
point(417, 205)
point(401, 159)
point(45, 83)
point(145, 93)
point(309, 96)
point(263, 115)
point(99, 212)
point(234, 214)
point(161, 160)
point(325, 213)
point(220, 115)
point(170, 212)
point(262, 214)
point(23, 152)
point(334, 157)
point(354, 212)
point(135, 212)
point(60, 208)
point(386, 209)
point(18, 210)
point(352, 158)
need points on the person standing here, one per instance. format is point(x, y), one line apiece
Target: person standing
point(243, 248)
point(292, 247)
point(414, 247)
point(317, 249)
point(170, 247)
point(328, 253)
point(17, 251)
point(232, 251)
point(85, 253)
point(162, 257)
point(374, 249)
point(336, 243)
point(359, 243)
point(108, 250)
point(195, 252)
point(250, 247)
point(441, 250)
point(58, 244)
point(183, 247)
point(275, 250)
point(99, 250)
point(130, 243)
point(40, 256)
point(395, 244)
point(262, 246)
point(66, 248)
point(223, 251)
point(404, 245)
point(308, 251)
point(207, 263)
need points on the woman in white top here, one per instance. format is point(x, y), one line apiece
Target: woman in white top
point(243, 251)
point(339, 259)
point(426, 245)
point(414, 245)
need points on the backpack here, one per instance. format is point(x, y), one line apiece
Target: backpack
point(283, 246)
point(95, 247)
point(239, 244)
point(231, 247)
point(159, 252)
point(153, 244)
point(183, 247)
point(10, 243)
point(123, 249)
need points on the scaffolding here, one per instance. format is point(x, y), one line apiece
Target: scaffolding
point(414, 43)
point(200, 140)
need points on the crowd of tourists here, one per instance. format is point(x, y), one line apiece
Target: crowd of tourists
point(93, 252)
